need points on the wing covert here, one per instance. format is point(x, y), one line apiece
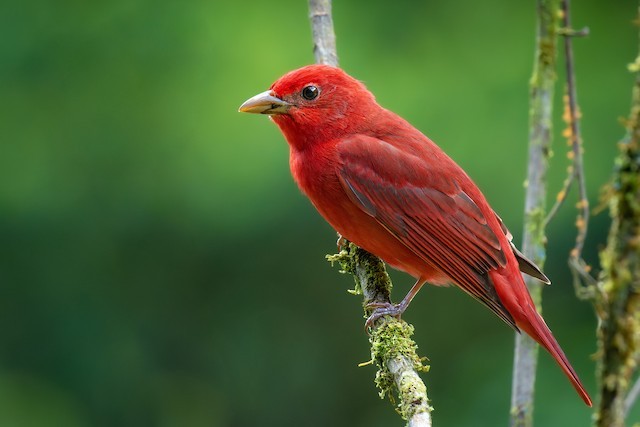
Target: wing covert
point(429, 214)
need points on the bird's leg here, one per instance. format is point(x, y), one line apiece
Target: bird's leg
point(381, 309)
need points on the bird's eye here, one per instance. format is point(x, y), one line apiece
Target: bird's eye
point(310, 92)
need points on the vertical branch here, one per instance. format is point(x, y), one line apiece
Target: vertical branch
point(579, 268)
point(324, 38)
point(540, 123)
point(392, 349)
point(617, 299)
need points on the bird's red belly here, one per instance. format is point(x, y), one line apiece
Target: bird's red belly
point(360, 228)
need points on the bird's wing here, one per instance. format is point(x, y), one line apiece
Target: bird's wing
point(526, 265)
point(425, 210)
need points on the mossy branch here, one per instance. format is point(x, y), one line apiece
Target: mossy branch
point(542, 86)
point(392, 349)
point(617, 299)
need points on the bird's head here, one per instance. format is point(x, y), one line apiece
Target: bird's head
point(315, 103)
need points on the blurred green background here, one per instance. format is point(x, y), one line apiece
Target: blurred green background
point(158, 265)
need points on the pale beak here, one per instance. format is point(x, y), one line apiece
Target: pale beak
point(265, 103)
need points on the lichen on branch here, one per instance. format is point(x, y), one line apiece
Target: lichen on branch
point(617, 295)
point(393, 351)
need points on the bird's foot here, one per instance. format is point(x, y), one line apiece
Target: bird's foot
point(381, 309)
point(342, 242)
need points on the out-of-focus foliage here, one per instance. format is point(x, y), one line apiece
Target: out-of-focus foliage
point(158, 267)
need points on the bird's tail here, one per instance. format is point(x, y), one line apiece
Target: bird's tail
point(534, 325)
point(522, 308)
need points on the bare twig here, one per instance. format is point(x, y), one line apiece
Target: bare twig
point(324, 38)
point(562, 195)
point(540, 122)
point(392, 349)
point(567, 32)
point(582, 280)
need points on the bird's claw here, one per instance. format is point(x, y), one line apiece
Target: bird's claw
point(381, 309)
point(342, 242)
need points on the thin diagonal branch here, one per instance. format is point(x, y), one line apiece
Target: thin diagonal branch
point(392, 349)
point(561, 197)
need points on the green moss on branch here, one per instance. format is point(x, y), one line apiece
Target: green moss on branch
point(393, 351)
point(618, 293)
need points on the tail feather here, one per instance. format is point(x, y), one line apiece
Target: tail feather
point(517, 301)
point(534, 325)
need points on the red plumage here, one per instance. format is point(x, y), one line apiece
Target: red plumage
point(388, 188)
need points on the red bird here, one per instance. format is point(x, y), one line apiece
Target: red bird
point(388, 188)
